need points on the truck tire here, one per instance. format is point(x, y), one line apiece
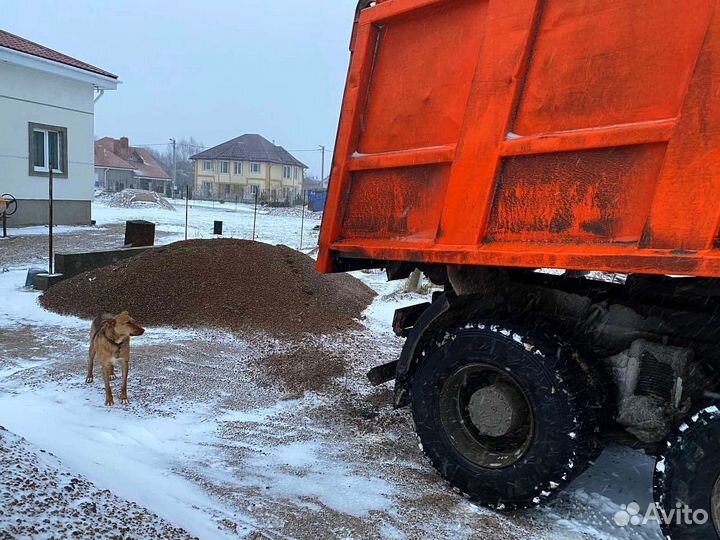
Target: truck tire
point(541, 431)
point(687, 473)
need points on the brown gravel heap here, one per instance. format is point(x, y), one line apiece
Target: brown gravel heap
point(234, 284)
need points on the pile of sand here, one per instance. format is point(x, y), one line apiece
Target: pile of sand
point(138, 198)
point(233, 284)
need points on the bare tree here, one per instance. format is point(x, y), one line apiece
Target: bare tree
point(184, 150)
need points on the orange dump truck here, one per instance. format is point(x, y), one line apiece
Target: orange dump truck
point(550, 163)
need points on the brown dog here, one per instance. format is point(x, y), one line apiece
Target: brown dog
point(110, 345)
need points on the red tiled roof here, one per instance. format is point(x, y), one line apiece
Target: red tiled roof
point(16, 43)
point(112, 154)
point(105, 158)
point(150, 168)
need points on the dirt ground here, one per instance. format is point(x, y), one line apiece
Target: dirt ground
point(40, 499)
point(356, 423)
point(285, 436)
point(32, 250)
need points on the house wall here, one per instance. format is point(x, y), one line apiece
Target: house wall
point(269, 179)
point(113, 180)
point(28, 96)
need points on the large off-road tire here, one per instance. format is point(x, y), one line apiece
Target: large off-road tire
point(687, 474)
point(505, 413)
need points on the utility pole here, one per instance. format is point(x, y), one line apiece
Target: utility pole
point(174, 169)
point(322, 169)
point(51, 219)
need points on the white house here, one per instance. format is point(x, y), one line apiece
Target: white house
point(47, 106)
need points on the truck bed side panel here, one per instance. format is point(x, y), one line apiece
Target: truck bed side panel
point(574, 134)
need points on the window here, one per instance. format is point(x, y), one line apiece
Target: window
point(296, 173)
point(286, 172)
point(47, 148)
point(253, 189)
point(255, 168)
point(227, 189)
point(224, 167)
point(207, 165)
point(238, 167)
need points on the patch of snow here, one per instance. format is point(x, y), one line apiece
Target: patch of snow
point(309, 470)
point(133, 457)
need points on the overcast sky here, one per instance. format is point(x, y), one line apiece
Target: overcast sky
point(211, 69)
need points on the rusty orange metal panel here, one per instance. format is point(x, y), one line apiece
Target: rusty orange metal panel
point(597, 196)
point(399, 203)
point(556, 133)
point(686, 209)
point(433, 87)
point(605, 63)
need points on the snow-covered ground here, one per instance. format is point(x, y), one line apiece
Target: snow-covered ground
point(210, 446)
point(239, 221)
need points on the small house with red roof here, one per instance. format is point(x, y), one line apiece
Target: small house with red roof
point(120, 166)
point(47, 107)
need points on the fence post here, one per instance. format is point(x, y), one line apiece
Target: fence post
point(255, 214)
point(302, 220)
point(187, 208)
point(50, 217)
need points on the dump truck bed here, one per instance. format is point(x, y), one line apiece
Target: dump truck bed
point(577, 134)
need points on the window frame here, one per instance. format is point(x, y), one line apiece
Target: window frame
point(212, 165)
point(252, 167)
point(62, 167)
point(224, 167)
point(296, 173)
point(287, 168)
point(238, 168)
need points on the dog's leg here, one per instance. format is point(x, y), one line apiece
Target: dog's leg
point(91, 357)
point(107, 366)
point(112, 372)
point(125, 369)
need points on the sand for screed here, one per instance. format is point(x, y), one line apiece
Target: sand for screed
point(139, 198)
point(235, 284)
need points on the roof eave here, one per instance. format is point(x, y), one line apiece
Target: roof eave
point(200, 157)
point(115, 168)
point(146, 177)
point(101, 82)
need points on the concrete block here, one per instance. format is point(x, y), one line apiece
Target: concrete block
point(42, 282)
point(139, 233)
point(72, 264)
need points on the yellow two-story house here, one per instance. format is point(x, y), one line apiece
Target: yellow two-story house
point(246, 167)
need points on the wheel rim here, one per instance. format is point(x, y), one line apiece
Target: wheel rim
point(715, 505)
point(486, 416)
point(11, 207)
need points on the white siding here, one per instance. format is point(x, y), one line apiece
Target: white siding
point(28, 96)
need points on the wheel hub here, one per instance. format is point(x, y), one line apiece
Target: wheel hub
point(497, 410)
point(486, 415)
